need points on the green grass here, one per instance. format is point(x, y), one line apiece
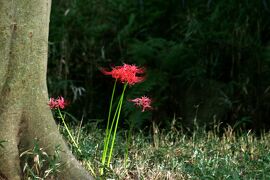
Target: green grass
point(200, 155)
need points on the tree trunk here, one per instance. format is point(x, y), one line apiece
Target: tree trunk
point(24, 113)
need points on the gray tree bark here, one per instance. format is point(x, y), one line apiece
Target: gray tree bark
point(24, 113)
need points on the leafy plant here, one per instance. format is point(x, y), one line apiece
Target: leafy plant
point(37, 164)
point(186, 45)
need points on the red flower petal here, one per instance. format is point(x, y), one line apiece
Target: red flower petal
point(60, 102)
point(143, 102)
point(129, 74)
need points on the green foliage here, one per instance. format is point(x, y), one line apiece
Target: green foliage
point(199, 155)
point(37, 164)
point(185, 46)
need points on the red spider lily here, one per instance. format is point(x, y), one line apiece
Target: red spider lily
point(61, 102)
point(144, 102)
point(57, 103)
point(129, 74)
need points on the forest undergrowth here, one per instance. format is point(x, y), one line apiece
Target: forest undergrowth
point(176, 154)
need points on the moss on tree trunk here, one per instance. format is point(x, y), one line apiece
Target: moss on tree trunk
point(24, 114)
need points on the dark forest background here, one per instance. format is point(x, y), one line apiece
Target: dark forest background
point(206, 61)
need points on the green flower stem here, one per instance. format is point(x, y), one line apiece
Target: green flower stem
point(110, 108)
point(116, 124)
point(107, 139)
point(73, 140)
point(107, 135)
point(89, 165)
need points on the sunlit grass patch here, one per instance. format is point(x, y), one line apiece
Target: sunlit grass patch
point(200, 155)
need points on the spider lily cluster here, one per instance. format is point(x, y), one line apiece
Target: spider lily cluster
point(128, 75)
